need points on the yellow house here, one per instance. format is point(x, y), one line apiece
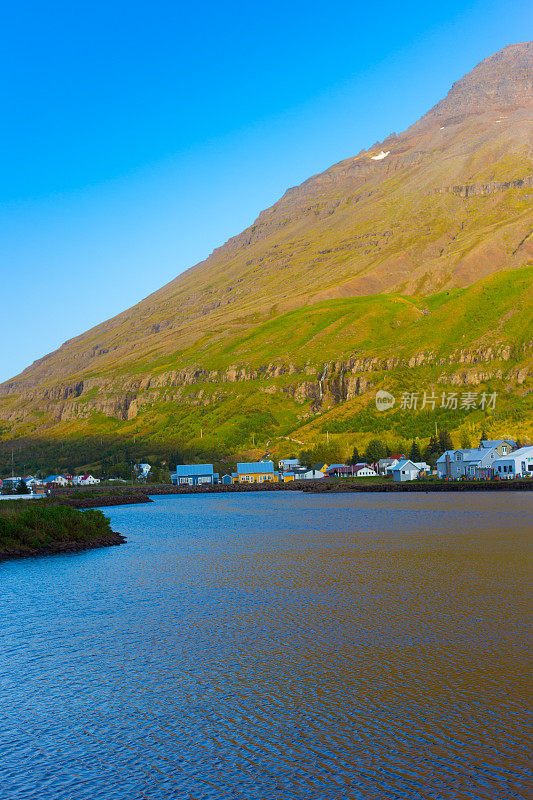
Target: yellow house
point(287, 476)
point(256, 472)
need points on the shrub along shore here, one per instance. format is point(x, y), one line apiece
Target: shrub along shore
point(44, 527)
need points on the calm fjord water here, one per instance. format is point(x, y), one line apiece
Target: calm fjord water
point(278, 645)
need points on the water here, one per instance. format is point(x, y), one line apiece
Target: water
point(278, 645)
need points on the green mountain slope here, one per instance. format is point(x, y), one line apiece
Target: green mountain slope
point(406, 267)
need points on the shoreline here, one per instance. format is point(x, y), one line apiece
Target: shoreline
point(145, 493)
point(112, 539)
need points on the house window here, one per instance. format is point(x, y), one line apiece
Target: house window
point(504, 449)
point(459, 457)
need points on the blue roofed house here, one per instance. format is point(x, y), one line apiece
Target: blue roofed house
point(467, 463)
point(407, 470)
point(256, 472)
point(194, 475)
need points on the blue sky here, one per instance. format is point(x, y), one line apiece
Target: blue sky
point(138, 136)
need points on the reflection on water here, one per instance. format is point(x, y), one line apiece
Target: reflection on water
point(274, 646)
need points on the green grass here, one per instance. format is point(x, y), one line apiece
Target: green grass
point(38, 525)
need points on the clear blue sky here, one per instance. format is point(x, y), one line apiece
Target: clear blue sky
point(138, 136)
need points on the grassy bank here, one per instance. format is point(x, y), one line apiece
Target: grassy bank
point(42, 527)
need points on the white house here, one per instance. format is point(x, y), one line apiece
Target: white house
point(288, 464)
point(143, 470)
point(363, 471)
point(58, 480)
point(85, 480)
point(518, 464)
point(466, 463)
point(31, 481)
point(302, 473)
point(408, 470)
point(386, 465)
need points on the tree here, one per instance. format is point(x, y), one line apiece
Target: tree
point(431, 453)
point(355, 458)
point(21, 487)
point(445, 441)
point(375, 450)
point(465, 441)
point(306, 458)
point(415, 454)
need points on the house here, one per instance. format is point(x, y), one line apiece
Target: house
point(360, 470)
point(502, 446)
point(85, 480)
point(256, 472)
point(55, 480)
point(226, 479)
point(518, 464)
point(31, 481)
point(321, 467)
point(12, 482)
point(454, 464)
point(288, 464)
point(386, 465)
point(286, 477)
point(194, 475)
point(302, 473)
point(143, 470)
point(337, 470)
point(408, 470)
point(363, 471)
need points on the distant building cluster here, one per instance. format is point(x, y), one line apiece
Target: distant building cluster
point(498, 459)
point(492, 459)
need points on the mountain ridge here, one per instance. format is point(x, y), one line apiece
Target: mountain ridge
point(429, 213)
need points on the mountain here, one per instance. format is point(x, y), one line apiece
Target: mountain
point(406, 267)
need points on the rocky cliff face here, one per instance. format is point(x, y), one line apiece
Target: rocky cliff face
point(350, 279)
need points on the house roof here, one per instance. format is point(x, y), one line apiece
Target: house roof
point(320, 467)
point(475, 454)
point(186, 470)
point(255, 467)
point(488, 443)
point(335, 466)
point(524, 452)
point(402, 464)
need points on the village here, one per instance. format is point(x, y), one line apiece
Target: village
point(498, 459)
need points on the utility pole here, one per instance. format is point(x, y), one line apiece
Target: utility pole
point(253, 439)
point(131, 473)
point(327, 437)
point(12, 465)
